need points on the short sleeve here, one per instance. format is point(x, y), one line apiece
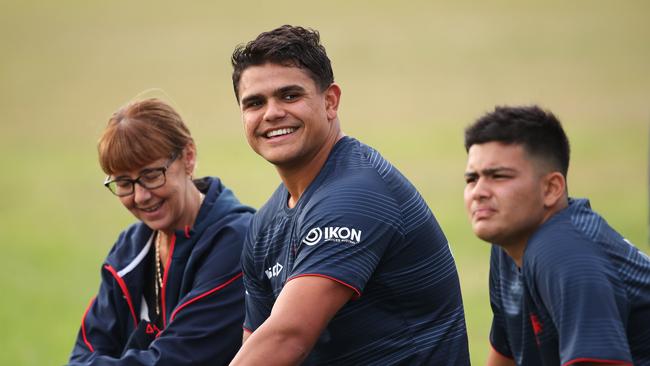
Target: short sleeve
point(578, 287)
point(344, 235)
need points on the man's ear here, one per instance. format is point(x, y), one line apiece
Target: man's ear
point(554, 188)
point(332, 99)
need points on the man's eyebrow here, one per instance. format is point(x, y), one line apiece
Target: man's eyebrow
point(490, 171)
point(289, 88)
point(250, 98)
point(496, 170)
point(278, 92)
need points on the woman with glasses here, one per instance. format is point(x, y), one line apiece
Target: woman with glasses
point(171, 290)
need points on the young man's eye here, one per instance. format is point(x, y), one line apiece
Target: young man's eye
point(252, 104)
point(290, 97)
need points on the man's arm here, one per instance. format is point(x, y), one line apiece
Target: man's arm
point(300, 314)
point(245, 336)
point(497, 359)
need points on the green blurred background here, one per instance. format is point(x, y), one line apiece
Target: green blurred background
point(413, 74)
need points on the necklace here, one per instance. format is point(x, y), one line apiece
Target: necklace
point(159, 280)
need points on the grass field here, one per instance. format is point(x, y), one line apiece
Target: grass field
point(413, 75)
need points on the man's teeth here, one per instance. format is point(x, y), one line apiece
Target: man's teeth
point(282, 131)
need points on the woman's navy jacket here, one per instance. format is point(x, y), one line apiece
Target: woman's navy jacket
point(203, 294)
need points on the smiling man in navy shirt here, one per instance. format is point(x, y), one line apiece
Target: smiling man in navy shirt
point(565, 288)
point(345, 264)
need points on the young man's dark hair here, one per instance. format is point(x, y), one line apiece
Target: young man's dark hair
point(537, 130)
point(565, 287)
point(288, 46)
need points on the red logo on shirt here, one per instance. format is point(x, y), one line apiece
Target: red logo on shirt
point(537, 326)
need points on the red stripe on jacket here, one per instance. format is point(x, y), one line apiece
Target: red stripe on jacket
point(125, 291)
point(209, 292)
point(83, 325)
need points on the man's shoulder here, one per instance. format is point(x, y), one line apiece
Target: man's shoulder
point(348, 156)
point(556, 243)
point(567, 242)
point(360, 184)
point(576, 229)
point(352, 179)
point(351, 156)
point(570, 225)
point(354, 165)
point(349, 175)
point(360, 191)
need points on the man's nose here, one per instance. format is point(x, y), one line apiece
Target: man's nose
point(274, 110)
point(481, 189)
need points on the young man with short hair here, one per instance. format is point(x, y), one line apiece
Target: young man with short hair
point(565, 288)
point(345, 264)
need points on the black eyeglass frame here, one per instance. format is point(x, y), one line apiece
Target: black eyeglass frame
point(162, 170)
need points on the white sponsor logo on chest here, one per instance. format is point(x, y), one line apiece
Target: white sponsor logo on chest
point(339, 234)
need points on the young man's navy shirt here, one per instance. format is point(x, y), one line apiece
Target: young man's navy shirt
point(362, 224)
point(582, 295)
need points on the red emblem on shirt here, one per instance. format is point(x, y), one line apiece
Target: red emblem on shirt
point(537, 326)
point(152, 329)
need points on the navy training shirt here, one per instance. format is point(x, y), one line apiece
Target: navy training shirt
point(582, 295)
point(364, 225)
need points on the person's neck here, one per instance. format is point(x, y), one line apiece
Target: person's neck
point(194, 200)
point(298, 177)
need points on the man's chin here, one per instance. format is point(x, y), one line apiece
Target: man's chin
point(485, 234)
point(283, 162)
point(275, 159)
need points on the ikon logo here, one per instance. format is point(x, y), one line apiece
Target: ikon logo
point(332, 233)
point(274, 271)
